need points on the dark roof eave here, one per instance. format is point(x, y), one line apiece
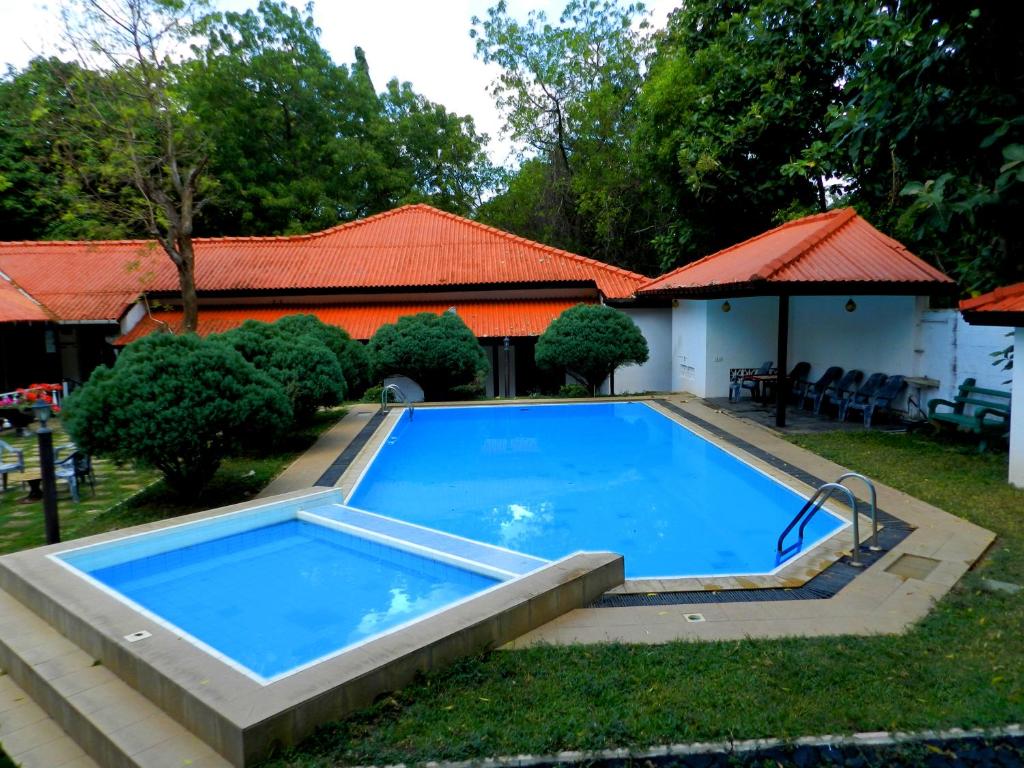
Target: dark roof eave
point(372, 290)
point(865, 288)
point(989, 317)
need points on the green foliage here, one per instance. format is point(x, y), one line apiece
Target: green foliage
point(351, 354)
point(372, 394)
point(573, 390)
point(176, 403)
point(269, 134)
point(735, 93)
point(931, 125)
point(438, 352)
point(590, 341)
point(567, 92)
point(305, 368)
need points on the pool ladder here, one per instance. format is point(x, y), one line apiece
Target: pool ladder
point(817, 500)
point(395, 390)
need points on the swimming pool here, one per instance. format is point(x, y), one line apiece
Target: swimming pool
point(277, 590)
point(547, 480)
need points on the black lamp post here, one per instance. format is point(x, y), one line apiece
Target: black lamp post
point(46, 471)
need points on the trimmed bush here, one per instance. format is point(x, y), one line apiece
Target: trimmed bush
point(307, 370)
point(590, 341)
point(351, 354)
point(438, 352)
point(178, 404)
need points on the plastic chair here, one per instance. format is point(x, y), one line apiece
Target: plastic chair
point(798, 381)
point(11, 460)
point(841, 390)
point(861, 399)
point(749, 382)
point(884, 398)
point(815, 391)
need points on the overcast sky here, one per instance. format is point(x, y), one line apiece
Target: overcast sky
point(423, 41)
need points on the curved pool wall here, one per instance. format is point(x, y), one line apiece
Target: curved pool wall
point(547, 480)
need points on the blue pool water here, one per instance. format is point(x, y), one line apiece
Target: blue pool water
point(549, 480)
point(276, 597)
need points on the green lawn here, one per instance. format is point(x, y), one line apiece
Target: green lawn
point(128, 496)
point(962, 666)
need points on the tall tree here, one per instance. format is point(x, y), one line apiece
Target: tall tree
point(567, 92)
point(736, 93)
point(931, 128)
point(131, 123)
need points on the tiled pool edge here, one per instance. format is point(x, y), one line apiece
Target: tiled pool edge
point(878, 601)
point(243, 720)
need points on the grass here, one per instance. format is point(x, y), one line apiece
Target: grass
point(962, 666)
point(128, 496)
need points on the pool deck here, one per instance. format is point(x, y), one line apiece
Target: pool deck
point(888, 597)
point(896, 590)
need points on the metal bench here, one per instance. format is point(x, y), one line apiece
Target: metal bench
point(990, 415)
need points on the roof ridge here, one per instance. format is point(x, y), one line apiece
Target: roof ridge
point(839, 218)
point(534, 243)
point(734, 246)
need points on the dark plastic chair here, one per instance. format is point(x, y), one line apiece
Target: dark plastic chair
point(862, 398)
point(884, 398)
point(815, 391)
point(841, 390)
point(748, 382)
point(798, 381)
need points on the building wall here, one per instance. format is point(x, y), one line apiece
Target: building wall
point(953, 350)
point(878, 335)
point(656, 374)
point(1017, 416)
point(689, 347)
point(743, 337)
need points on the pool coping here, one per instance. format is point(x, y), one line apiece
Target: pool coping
point(244, 720)
point(881, 599)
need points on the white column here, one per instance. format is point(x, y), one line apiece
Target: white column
point(1017, 412)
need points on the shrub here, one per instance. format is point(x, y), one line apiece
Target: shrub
point(176, 403)
point(438, 352)
point(372, 394)
point(590, 341)
point(351, 354)
point(307, 370)
point(574, 390)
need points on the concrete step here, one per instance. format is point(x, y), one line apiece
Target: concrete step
point(112, 723)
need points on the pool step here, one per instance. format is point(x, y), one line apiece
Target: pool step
point(505, 560)
point(115, 725)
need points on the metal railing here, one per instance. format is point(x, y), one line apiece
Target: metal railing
point(873, 541)
point(808, 511)
point(395, 390)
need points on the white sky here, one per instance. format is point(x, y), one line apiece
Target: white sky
point(423, 41)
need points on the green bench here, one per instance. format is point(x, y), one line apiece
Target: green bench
point(991, 414)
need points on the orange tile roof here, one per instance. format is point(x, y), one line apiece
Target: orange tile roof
point(415, 246)
point(1003, 306)
point(15, 306)
point(837, 247)
point(487, 319)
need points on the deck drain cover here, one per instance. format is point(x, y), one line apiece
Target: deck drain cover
point(134, 637)
point(913, 566)
point(693, 618)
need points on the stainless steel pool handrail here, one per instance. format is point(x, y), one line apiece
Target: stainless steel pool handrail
point(873, 541)
point(397, 391)
point(816, 502)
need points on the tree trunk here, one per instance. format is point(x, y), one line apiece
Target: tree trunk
point(187, 281)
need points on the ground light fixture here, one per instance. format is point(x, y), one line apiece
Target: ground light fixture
point(46, 470)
